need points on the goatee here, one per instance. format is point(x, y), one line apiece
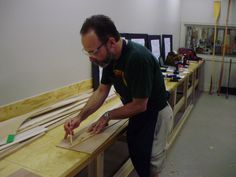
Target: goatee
point(106, 62)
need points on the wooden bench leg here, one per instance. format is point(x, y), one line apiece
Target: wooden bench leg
point(96, 167)
point(100, 165)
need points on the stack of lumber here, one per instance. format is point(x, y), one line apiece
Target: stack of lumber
point(30, 126)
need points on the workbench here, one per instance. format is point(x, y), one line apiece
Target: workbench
point(43, 158)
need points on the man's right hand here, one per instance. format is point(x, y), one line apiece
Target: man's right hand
point(70, 125)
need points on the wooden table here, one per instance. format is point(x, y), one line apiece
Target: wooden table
point(43, 158)
point(183, 96)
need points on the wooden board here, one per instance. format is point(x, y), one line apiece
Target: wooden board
point(23, 173)
point(85, 142)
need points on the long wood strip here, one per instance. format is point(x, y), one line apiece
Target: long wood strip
point(64, 113)
point(49, 126)
point(80, 97)
point(24, 136)
point(11, 126)
point(217, 5)
point(224, 48)
point(71, 115)
point(47, 118)
point(14, 148)
point(51, 115)
point(60, 122)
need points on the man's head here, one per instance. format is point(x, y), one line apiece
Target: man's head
point(99, 37)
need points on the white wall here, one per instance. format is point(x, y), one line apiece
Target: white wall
point(40, 46)
point(214, 69)
point(202, 12)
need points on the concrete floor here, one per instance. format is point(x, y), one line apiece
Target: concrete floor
point(205, 147)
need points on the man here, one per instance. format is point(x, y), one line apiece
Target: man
point(136, 76)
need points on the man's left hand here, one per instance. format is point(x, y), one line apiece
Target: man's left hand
point(98, 126)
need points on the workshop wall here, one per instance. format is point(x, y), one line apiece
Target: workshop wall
point(40, 47)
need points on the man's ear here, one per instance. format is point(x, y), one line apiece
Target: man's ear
point(111, 42)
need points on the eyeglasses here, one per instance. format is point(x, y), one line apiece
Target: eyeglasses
point(94, 52)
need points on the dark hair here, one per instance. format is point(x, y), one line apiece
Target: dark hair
point(103, 27)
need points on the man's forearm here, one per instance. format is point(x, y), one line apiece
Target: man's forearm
point(94, 102)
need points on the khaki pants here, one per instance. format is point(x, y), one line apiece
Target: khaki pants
point(163, 128)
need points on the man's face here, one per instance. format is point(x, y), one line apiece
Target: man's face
point(97, 51)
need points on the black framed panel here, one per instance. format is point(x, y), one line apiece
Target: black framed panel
point(95, 76)
point(124, 35)
point(167, 45)
point(154, 44)
point(139, 38)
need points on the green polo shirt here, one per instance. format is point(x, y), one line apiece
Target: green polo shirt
point(140, 72)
